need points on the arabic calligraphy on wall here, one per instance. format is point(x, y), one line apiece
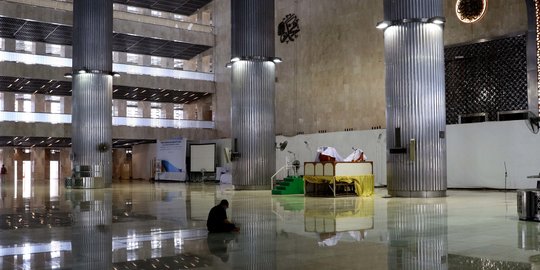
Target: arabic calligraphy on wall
point(288, 28)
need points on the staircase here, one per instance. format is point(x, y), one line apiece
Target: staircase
point(289, 185)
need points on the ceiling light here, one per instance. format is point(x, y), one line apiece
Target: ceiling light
point(235, 59)
point(383, 25)
point(277, 60)
point(68, 75)
point(437, 20)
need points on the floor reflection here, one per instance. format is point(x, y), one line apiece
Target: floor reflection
point(140, 225)
point(91, 228)
point(418, 234)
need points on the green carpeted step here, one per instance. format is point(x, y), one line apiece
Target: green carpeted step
point(290, 185)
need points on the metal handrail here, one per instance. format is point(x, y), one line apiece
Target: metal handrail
point(275, 174)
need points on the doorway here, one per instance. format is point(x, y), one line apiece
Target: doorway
point(27, 178)
point(54, 175)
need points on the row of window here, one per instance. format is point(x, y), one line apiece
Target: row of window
point(23, 103)
point(137, 59)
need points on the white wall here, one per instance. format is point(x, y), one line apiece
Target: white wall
point(373, 142)
point(145, 153)
point(476, 153)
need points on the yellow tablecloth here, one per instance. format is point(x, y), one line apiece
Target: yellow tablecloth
point(364, 184)
point(363, 207)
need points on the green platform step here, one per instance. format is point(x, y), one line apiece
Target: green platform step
point(289, 185)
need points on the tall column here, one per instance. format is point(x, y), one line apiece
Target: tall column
point(146, 109)
point(252, 87)
point(415, 113)
point(9, 101)
point(39, 161)
point(121, 105)
point(65, 163)
point(38, 103)
point(8, 160)
point(66, 105)
point(169, 110)
point(92, 85)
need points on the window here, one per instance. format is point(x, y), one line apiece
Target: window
point(54, 49)
point(178, 111)
point(115, 108)
point(156, 13)
point(23, 103)
point(179, 17)
point(2, 44)
point(155, 110)
point(56, 105)
point(132, 109)
point(178, 64)
point(155, 60)
point(25, 46)
point(135, 10)
point(115, 57)
point(133, 58)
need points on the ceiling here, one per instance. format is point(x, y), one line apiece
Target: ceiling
point(50, 142)
point(20, 29)
point(184, 7)
point(63, 88)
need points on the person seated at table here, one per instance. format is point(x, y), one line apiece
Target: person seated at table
point(217, 219)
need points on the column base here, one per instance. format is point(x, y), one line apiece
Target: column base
point(85, 183)
point(417, 194)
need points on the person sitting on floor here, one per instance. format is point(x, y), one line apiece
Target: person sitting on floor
point(217, 219)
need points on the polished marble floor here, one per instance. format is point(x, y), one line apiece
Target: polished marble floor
point(142, 225)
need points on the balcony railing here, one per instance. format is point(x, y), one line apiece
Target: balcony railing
point(53, 118)
point(54, 61)
point(124, 15)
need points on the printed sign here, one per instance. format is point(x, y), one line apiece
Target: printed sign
point(171, 157)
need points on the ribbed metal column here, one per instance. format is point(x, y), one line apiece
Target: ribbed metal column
point(253, 121)
point(418, 236)
point(92, 84)
point(92, 229)
point(415, 97)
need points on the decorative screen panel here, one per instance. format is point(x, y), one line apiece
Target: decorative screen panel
point(486, 77)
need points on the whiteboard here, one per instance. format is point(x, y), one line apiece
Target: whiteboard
point(203, 156)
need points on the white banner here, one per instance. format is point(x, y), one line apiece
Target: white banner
point(171, 160)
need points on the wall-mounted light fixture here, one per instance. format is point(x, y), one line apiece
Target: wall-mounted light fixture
point(470, 11)
point(275, 60)
point(434, 20)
